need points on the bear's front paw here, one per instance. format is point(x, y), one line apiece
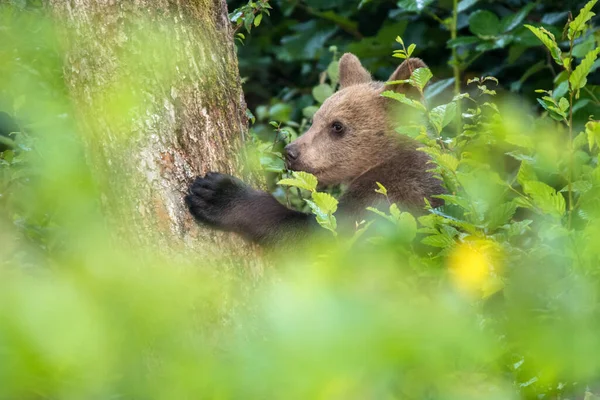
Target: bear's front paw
point(212, 199)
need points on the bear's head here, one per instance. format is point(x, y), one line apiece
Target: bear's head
point(353, 130)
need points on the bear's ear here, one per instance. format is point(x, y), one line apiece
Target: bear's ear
point(352, 72)
point(403, 72)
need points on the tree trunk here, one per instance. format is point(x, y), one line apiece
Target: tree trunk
point(157, 87)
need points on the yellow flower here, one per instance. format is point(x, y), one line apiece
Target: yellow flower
point(474, 267)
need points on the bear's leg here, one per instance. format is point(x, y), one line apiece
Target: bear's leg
point(225, 202)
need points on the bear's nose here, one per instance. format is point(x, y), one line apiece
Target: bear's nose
point(291, 151)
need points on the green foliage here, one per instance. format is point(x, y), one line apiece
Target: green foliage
point(286, 59)
point(578, 78)
point(578, 24)
point(250, 15)
point(493, 295)
point(549, 41)
point(322, 205)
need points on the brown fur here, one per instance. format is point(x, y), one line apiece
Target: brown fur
point(367, 150)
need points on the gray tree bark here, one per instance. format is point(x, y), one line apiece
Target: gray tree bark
point(158, 93)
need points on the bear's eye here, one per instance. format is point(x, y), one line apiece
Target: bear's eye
point(337, 127)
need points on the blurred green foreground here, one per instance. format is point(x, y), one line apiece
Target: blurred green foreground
point(494, 296)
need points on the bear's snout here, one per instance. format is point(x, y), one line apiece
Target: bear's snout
point(291, 153)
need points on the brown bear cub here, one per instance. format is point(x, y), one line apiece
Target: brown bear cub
point(351, 140)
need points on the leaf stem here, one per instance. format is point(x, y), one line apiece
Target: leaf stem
point(571, 152)
point(455, 66)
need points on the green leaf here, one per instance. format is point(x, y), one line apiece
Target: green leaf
point(517, 228)
point(500, 215)
point(441, 241)
point(324, 219)
point(545, 198)
point(592, 130)
point(456, 200)
point(381, 189)
point(258, 19)
point(448, 161)
point(272, 164)
point(438, 87)
point(326, 202)
point(407, 225)
point(401, 97)
point(581, 49)
point(324, 205)
point(563, 104)
point(381, 214)
point(248, 19)
point(578, 187)
point(333, 71)
point(514, 20)
point(310, 111)
point(322, 92)
point(578, 24)
point(410, 49)
point(420, 77)
point(462, 41)
point(414, 5)
point(578, 78)
point(484, 24)
point(442, 115)
point(280, 112)
point(549, 41)
point(302, 180)
point(526, 173)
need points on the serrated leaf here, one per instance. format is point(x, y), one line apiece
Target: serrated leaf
point(401, 97)
point(455, 200)
point(500, 215)
point(302, 180)
point(517, 228)
point(578, 78)
point(577, 25)
point(420, 77)
point(448, 161)
point(326, 202)
point(442, 115)
point(578, 187)
point(547, 40)
point(441, 241)
point(526, 173)
point(545, 198)
point(326, 220)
